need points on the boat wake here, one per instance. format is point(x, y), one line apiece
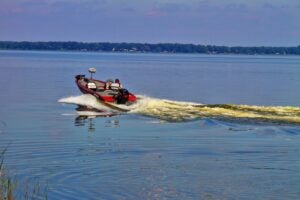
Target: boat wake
point(176, 111)
point(84, 100)
point(88, 105)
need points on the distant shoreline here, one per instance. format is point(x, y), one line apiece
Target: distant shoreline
point(147, 48)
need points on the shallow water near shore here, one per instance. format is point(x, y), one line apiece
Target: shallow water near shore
point(206, 126)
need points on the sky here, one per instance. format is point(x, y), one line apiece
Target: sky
point(208, 22)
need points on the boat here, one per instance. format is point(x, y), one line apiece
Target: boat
point(108, 92)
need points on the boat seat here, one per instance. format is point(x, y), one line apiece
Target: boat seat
point(91, 85)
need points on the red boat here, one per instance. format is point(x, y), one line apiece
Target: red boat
point(106, 91)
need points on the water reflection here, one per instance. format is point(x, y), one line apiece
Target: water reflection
point(85, 120)
point(86, 117)
point(112, 123)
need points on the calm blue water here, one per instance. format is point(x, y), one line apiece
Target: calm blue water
point(142, 155)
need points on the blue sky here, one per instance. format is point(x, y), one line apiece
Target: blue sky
point(216, 22)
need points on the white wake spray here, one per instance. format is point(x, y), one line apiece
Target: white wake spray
point(84, 100)
point(165, 109)
point(184, 111)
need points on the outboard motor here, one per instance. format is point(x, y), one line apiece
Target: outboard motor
point(122, 96)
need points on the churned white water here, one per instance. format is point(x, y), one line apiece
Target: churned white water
point(184, 111)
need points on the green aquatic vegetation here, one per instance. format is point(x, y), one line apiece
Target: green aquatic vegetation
point(8, 185)
point(36, 192)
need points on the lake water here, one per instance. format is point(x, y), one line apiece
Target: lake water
point(205, 127)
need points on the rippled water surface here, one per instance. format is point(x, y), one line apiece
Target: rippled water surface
point(205, 127)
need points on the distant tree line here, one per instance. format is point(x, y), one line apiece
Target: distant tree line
point(145, 48)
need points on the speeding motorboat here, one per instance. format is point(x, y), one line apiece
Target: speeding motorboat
point(110, 92)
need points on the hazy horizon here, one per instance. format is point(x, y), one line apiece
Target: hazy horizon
point(296, 45)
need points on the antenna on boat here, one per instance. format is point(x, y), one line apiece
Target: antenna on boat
point(92, 71)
